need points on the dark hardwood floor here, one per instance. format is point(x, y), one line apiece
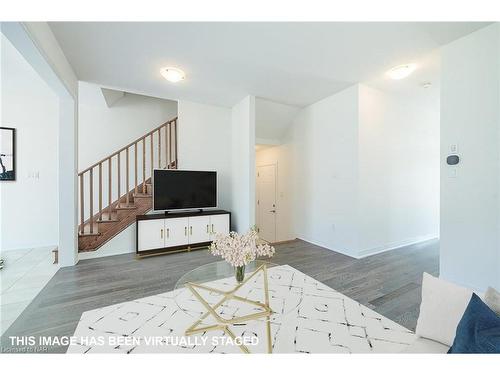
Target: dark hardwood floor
point(389, 283)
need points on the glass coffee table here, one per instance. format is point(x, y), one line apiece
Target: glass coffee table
point(216, 301)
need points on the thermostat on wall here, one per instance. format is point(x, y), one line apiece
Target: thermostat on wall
point(452, 160)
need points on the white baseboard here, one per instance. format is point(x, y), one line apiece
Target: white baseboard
point(122, 243)
point(395, 245)
point(375, 250)
point(318, 243)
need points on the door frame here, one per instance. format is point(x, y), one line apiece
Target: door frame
point(275, 165)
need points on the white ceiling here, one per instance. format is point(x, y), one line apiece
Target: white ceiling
point(291, 63)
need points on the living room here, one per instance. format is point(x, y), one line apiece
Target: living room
point(250, 187)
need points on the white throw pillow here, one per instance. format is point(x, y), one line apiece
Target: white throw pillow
point(443, 305)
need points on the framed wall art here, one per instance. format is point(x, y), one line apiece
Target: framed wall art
point(7, 154)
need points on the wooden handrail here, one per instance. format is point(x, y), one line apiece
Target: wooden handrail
point(170, 134)
point(127, 146)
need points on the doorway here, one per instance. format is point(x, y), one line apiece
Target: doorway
point(266, 202)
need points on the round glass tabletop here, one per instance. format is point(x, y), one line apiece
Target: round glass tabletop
point(212, 285)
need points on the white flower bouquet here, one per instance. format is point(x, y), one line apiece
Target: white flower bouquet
point(240, 249)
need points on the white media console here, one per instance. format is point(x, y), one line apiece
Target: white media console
point(179, 231)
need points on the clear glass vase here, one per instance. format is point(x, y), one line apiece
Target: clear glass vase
point(240, 273)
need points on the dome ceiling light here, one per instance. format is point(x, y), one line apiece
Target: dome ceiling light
point(401, 71)
point(172, 74)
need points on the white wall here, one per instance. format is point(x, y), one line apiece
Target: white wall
point(280, 156)
point(37, 44)
point(470, 99)
point(324, 142)
point(103, 130)
point(29, 205)
point(243, 164)
point(398, 171)
point(205, 143)
point(366, 171)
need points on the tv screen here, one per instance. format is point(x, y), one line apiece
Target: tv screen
point(178, 190)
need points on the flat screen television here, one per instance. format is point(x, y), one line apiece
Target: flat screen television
point(175, 189)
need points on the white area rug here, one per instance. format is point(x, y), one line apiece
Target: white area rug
point(311, 318)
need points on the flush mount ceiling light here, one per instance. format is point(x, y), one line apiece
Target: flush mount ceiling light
point(401, 71)
point(172, 74)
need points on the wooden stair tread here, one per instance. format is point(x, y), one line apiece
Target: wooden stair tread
point(111, 229)
point(123, 206)
point(107, 219)
point(141, 195)
point(87, 232)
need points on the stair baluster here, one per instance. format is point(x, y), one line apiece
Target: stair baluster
point(118, 173)
point(135, 168)
point(82, 207)
point(159, 148)
point(91, 200)
point(89, 226)
point(169, 145)
point(127, 198)
point(152, 157)
point(175, 143)
point(167, 162)
point(144, 165)
point(100, 192)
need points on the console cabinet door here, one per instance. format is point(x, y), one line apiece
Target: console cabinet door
point(219, 224)
point(176, 231)
point(199, 229)
point(151, 234)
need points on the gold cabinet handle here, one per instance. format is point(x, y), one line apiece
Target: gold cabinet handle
point(161, 233)
point(190, 230)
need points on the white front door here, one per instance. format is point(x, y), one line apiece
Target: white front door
point(266, 202)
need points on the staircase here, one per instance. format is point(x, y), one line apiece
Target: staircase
point(104, 211)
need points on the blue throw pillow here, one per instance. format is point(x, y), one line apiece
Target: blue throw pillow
point(478, 330)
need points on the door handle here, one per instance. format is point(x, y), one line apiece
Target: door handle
point(207, 228)
point(273, 211)
point(190, 230)
point(213, 229)
point(185, 231)
point(161, 234)
point(168, 232)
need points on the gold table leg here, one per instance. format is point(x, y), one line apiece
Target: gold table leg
point(223, 324)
